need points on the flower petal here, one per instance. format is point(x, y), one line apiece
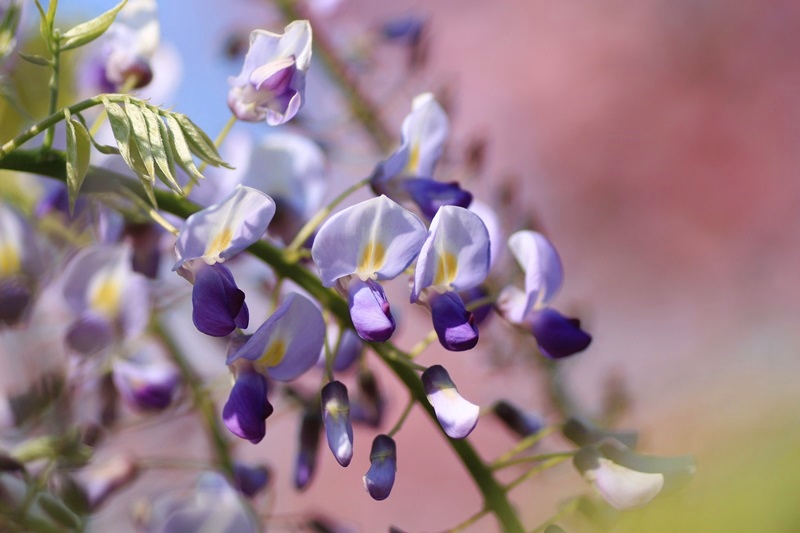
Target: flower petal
point(557, 335)
point(457, 416)
point(147, 380)
point(379, 479)
point(520, 422)
point(369, 310)
point(430, 195)
point(90, 333)
point(336, 417)
point(250, 480)
point(544, 273)
point(374, 239)
point(246, 411)
point(454, 325)
point(218, 305)
point(305, 466)
point(221, 231)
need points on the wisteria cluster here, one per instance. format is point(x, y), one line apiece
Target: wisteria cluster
point(97, 244)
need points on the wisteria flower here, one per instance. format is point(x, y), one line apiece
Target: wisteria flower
point(250, 480)
point(379, 479)
point(20, 265)
point(110, 300)
point(457, 416)
point(272, 81)
point(627, 480)
point(454, 257)
point(407, 175)
point(283, 348)
point(361, 245)
point(523, 423)
point(147, 380)
point(336, 417)
point(208, 238)
point(308, 446)
point(557, 335)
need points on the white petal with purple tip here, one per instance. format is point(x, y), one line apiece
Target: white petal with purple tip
point(457, 416)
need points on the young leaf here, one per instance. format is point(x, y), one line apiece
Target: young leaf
point(36, 60)
point(200, 144)
point(78, 151)
point(128, 148)
point(162, 155)
point(44, 29)
point(181, 149)
point(88, 31)
point(142, 138)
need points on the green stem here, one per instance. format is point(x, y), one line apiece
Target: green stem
point(526, 443)
point(403, 416)
point(494, 494)
point(535, 470)
point(202, 400)
point(54, 78)
point(531, 459)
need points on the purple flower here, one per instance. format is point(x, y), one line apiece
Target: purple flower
point(246, 411)
point(147, 380)
point(336, 417)
point(454, 257)
point(306, 464)
point(250, 480)
point(218, 305)
point(557, 335)
point(371, 241)
point(20, 265)
point(110, 300)
point(407, 174)
point(379, 479)
point(457, 416)
point(520, 422)
point(272, 81)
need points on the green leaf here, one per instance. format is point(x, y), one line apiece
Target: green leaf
point(162, 155)
point(44, 29)
point(181, 148)
point(89, 30)
point(142, 139)
point(36, 60)
point(128, 148)
point(78, 152)
point(200, 143)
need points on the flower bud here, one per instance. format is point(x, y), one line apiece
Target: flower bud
point(379, 479)
point(336, 417)
point(457, 416)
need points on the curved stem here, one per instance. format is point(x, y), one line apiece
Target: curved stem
point(56, 64)
point(532, 459)
point(403, 416)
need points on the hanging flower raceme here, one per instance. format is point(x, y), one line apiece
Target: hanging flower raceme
point(361, 245)
point(407, 175)
point(283, 348)
point(454, 257)
point(627, 480)
point(379, 479)
point(557, 335)
point(210, 237)
point(457, 416)
point(20, 266)
point(272, 81)
point(110, 300)
point(336, 417)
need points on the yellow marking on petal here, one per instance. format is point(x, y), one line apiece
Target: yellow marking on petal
point(373, 256)
point(218, 244)
point(273, 355)
point(413, 160)
point(446, 269)
point(104, 295)
point(10, 262)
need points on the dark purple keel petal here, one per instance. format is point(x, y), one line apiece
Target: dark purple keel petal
point(379, 479)
point(470, 296)
point(520, 422)
point(336, 417)
point(557, 335)
point(217, 303)
point(246, 411)
point(369, 310)
point(430, 194)
point(454, 325)
point(250, 480)
point(15, 299)
point(90, 334)
point(310, 429)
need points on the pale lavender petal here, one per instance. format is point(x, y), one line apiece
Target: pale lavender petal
point(544, 273)
point(677, 471)
point(457, 416)
point(375, 239)
point(369, 310)
point(288, 343)
point(454, 325)
point(455, 255)
point(380, 477)
point(430, 195)
point(310, 428)
point(246, 411)
point(512, 303)
point(336, 417)
point(218, 305)
point(221, 231)
point(557, 335)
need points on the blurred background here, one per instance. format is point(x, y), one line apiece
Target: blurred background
point(656, 143)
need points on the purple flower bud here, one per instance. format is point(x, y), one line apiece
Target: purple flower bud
point(457, 416)
point(250, 480)
point(454, 325)
point(246, 411)
point(557, 335)
point(146, 381)
point(430, 195)
point(369, 310)
point(379, 479)
point(218, 305)
point(520, 422)
point(368, 404)
point(336, 417)
point(310, 428)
